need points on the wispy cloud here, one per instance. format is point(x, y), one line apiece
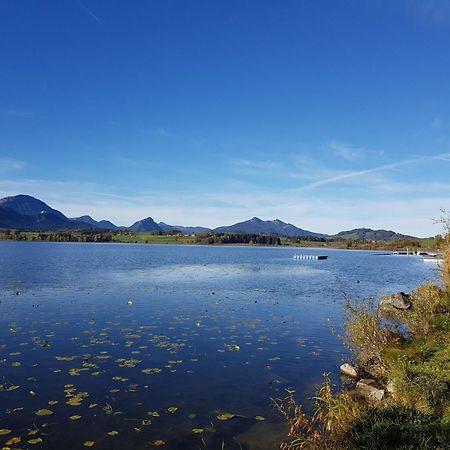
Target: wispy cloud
point(254, 164)
point(163, 132)
point(431, 10)
point(441, 157)
point(347, 152)
point(7, 164)
point(15, 113)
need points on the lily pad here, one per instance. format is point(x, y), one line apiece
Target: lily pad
point(225, 416)
point(150, 371)
point(44, 412)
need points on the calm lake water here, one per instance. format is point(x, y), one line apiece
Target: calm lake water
point(148, 342)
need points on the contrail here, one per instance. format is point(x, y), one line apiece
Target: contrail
point(441, 157)
point(90, 13)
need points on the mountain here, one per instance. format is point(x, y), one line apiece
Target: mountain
point(276, 227)
point(11, 219)
point(147, 224)
point(367, 234)
point(24, 212)
point(187, 230)
point(102, 224)
point(28, 206)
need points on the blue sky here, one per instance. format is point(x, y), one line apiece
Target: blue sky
point(329, 115)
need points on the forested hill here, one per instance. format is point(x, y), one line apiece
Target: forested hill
point(367, 234)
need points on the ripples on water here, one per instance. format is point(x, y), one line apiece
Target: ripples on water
point(148, 343)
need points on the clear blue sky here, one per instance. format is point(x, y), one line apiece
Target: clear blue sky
point(326, 114)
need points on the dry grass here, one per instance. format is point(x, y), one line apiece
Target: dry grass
point(445, 222)
point(368, 336)
point(446, 265)
point(428, 301)
point(328, 427)
point(411, 352)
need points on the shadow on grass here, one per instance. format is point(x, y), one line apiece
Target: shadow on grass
point(396, 427)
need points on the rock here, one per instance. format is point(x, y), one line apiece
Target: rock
point(370, 393)
point(400, 301)
point(390, 387)
point(368, 381)
point(349, 370)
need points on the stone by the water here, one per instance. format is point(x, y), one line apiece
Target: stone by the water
point(400, 301)
point(370, 393)
point(349, 370)
point(390, 387)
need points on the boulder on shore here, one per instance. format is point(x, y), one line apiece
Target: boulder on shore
point(390, 387)
point(349, 370)
point(369, 393)
point(400, 301)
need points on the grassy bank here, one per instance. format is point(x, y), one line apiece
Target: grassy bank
point(406, 355)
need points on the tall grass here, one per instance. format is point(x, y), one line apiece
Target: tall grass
point(408, 353)
point(368, 336)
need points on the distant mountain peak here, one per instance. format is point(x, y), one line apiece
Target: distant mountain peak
point(26, 204)
point(147, 224)
point(274, 227)
point(367, 234)
point(183, 229)
point(25, 212)
point(102, 224)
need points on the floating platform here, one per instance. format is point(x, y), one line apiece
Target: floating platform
point(310, 256)
point(433, 259)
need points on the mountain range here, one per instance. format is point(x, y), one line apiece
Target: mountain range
point(102, 224)
point(23, 212)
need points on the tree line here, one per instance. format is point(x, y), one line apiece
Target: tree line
point(237, 238)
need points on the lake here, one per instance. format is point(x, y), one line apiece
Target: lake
point(143, 346)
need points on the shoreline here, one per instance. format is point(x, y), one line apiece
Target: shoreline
point(237, 240)
point(200, 244)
